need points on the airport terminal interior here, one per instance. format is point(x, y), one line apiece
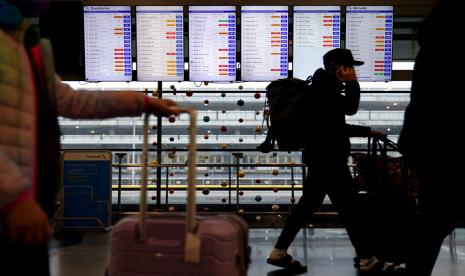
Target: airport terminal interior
point(218, 57)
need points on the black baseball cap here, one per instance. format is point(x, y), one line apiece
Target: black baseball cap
point(340, 56)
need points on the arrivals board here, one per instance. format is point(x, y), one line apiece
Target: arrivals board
point(212, 43)
point(264, 44)
point(160, 46)
point(107, 43)
point(317, 29)
point(369, 34)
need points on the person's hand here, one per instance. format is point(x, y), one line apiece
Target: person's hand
point(161, 107)
point(28, 224)
point(345, 74)
point(378, 134)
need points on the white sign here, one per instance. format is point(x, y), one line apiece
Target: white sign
point(212, 43)
point(265, 36)
point(317, 30)
point(160, 46)
point(369, 34)
point(107, 39)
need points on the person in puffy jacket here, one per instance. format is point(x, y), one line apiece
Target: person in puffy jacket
point(32, 96)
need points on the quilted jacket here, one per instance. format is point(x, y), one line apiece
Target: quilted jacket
point(18, 112)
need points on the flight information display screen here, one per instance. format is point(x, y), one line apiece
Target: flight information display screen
point(107, 43)
point(212, 43)
point(264, 42)
point(160, 46)
point(369, 34)
point(316, 31)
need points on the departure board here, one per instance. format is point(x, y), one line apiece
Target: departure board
point(369, 34)
point(264, 44)
point(107, 43)
point(316, 31)
point(160, 47)
point(212, 43)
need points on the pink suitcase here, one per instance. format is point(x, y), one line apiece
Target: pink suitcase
point(170, 244)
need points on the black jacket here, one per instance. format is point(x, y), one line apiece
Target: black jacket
point(436, 106)
point(326, 105)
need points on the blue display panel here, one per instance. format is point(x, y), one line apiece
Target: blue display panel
point(317, 30)
point(86, 189)
point(212, 43)
point(107, 43)
point(369, 35)
point(160, 43)
point(264, 42)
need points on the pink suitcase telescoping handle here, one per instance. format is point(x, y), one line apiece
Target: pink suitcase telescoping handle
point(192, 243)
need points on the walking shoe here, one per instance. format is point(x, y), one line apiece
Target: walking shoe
point(370, 265)
point(393, 270)
point(287, 262)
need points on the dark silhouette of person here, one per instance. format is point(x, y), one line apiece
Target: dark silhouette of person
point(428, 141)
point(335, 93)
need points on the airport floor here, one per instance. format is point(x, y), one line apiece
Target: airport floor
point(327, 252)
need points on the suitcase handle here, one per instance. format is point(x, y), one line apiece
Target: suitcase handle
point(143, 185)
point(192, 246)
point(192, 172)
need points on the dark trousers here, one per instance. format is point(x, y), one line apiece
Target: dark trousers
point(442, 205)
point(18, 259)
point(335, 180)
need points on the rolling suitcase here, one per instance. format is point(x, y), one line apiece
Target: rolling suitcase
point(389, 201)
point(170, 244)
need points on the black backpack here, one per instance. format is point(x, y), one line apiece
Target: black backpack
point(283, 113)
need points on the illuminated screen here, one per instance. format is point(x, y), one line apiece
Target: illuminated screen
point(369, 34)
point(316, 31)
point(264, 44)
point(160, 54)
point(107, 40)
point(212, 43)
